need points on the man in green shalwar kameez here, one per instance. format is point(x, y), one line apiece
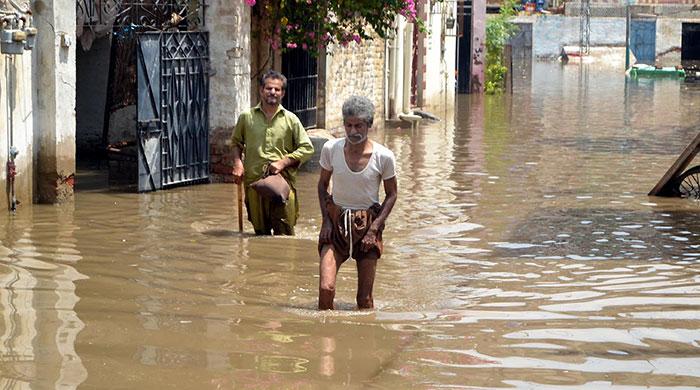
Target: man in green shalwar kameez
point(270, 137)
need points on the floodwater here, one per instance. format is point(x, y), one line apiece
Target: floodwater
point(523, 252)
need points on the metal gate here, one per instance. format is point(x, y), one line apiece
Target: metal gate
point(172, 109)
point(301, 70)
point(643, 40)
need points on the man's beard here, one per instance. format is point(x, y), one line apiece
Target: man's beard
point(356, 139)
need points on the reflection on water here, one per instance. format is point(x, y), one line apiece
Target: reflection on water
point(523, 252)
point(37, 292)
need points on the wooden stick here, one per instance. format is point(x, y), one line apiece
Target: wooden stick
point(240, 206)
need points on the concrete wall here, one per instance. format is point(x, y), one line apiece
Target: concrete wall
point(16, 111)
point(477, 77)
point(551, 32)
point(353, 70)
point(54, 100)
point(669, 38)
point(228, 23)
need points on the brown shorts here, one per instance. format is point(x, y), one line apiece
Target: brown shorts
point(360, 221)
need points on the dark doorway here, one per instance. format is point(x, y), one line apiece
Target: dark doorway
point(92, 68)
point(464, 45)
point(690, 45)
point(301, 70)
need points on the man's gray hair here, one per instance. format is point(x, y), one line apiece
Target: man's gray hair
point(273, 74)
point(359, 107)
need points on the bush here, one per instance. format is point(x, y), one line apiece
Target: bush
point(499, 29)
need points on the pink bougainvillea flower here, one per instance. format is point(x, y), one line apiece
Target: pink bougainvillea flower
point(250, 2)
point(291, 45)
point(356, 38)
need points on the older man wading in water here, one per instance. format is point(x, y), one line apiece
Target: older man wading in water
point(353, 219)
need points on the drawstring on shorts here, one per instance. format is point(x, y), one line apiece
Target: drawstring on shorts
point(346, 217)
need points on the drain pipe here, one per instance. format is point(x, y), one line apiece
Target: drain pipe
point(11, 173)
point(407, 67)
point(12, 151)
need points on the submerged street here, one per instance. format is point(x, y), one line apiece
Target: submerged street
point(523, 252)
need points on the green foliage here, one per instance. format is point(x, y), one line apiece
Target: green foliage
point(498, 30)
point(313, 24)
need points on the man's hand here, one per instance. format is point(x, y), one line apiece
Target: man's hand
point(324, 236)
point(237, 171)
point(276, 167)
point(369, 240)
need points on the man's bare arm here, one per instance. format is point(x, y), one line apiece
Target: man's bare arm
point(391, 191)
point(323, 184)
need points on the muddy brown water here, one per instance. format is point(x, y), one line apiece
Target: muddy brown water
point(523, 252)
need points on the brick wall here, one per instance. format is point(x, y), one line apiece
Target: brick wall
point(353, 70)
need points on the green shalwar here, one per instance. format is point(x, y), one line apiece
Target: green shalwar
point(263, 142)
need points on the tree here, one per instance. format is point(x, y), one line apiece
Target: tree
point(313, 24)
point(498, 30)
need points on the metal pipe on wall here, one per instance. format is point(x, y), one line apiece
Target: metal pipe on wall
point(398, 68)
point(12, 150)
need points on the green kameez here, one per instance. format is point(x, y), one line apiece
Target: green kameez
point(263, 142)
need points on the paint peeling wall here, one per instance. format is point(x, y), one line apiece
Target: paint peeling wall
point(668, 41)
point(17, 128)
point(54, 82)
point(228, 23)
point(478, 45)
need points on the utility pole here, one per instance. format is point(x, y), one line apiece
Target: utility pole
point(627, 36)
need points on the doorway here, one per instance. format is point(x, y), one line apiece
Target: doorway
point(643, 40)
point(690, 45)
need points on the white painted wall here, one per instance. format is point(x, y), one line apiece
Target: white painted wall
point(440, 57)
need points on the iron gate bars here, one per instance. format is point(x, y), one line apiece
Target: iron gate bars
point(173, 109)
point(185, 106)
point(301, 70)
point(144, 14)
